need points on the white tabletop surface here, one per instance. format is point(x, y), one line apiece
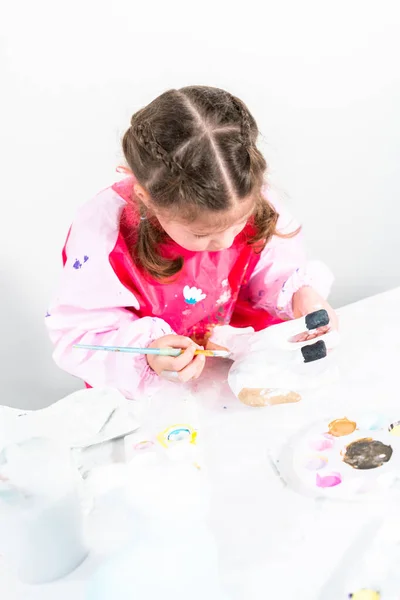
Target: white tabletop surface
point(272, 542)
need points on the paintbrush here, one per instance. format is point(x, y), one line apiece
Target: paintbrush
point(155, 351)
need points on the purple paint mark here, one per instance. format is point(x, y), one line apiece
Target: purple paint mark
point(261, 293)
point(322, 444)
point(77, 264)
point(47, 315)
point(316, 464)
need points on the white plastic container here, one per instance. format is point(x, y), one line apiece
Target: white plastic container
point(41, 528)
point(174, 554)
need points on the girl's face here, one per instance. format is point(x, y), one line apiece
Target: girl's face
point(212, 232)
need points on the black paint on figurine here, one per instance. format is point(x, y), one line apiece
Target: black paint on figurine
point(319, 318)
point(314, 351)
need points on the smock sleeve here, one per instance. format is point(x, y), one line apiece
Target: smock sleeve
point(283, 269)
point(91, 306)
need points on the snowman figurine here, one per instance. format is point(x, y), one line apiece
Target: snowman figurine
point(275, 365)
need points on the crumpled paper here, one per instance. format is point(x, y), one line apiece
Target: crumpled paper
point(82, 419)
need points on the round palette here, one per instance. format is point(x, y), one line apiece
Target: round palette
point(347, 457)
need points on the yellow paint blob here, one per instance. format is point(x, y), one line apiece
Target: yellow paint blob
point(340, 427)
point(394, 429)
point(365, 595)
point(177, 434)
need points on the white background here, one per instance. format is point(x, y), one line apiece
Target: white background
point(321, 78)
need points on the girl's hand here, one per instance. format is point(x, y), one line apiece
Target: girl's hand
point(181, 368)
point(305, 301)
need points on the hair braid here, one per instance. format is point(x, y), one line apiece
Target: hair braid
point(146, 138)
point(245, 125)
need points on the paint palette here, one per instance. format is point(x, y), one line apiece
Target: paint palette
point(345, 458)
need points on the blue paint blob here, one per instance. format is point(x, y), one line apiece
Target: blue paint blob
point(372, 421)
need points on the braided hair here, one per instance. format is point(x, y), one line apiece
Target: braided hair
point(194, 150)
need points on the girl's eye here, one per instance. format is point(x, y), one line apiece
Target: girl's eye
point(199, 237)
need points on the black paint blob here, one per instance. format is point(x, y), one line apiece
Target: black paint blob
point(314, 351)
point(367, 454)
point(316, 319)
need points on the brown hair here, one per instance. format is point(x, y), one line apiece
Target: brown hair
point(194, 149)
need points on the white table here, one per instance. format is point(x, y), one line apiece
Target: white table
point(273, 543)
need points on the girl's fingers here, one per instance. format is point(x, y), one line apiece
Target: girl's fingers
point(305, 336)
point(170, 376)
point(177, 341)
point(212, 346)
point(183, 367)
point(193, 370)
point(182, 361)
point(317, 333)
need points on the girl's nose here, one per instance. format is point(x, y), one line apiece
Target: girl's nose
point(222, 242)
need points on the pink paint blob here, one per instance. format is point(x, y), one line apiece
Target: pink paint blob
point(326, 481)
point(145, 445)
point(322, 444)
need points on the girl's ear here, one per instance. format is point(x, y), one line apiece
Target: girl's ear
point(124, 170)
point(142, 194)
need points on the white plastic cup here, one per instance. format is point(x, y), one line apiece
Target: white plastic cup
point(41, 524)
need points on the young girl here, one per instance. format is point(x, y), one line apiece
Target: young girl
point(190, 240)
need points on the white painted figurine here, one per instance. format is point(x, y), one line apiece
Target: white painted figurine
point(275, 365)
